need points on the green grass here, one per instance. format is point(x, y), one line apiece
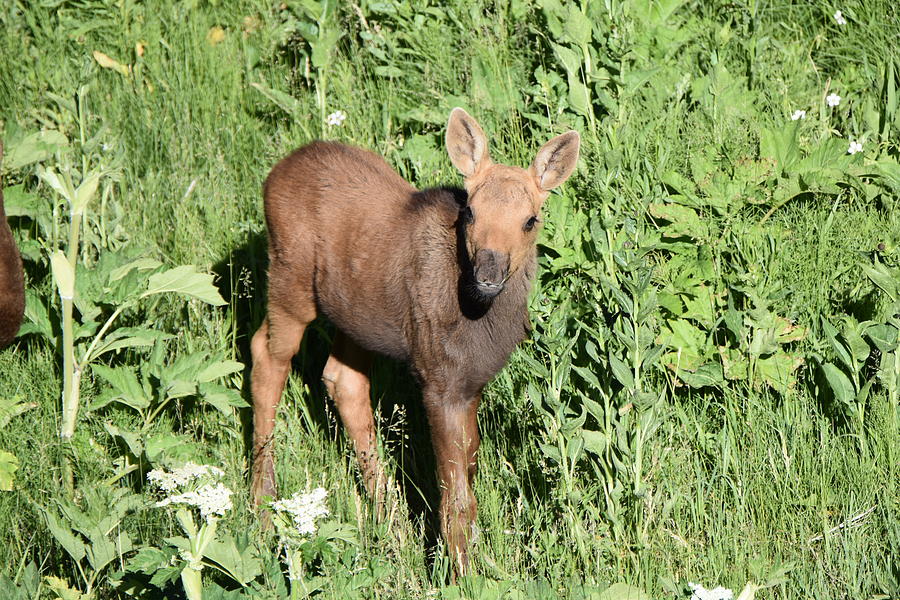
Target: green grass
point(736, 482)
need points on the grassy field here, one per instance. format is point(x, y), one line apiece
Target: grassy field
point(710, 394)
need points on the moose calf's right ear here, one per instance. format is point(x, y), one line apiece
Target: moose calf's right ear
point(556, 160)
point(466, 143)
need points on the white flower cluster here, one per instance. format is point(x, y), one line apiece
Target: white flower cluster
point(336, 118)
point(212, 500)
point(833, 100)
point(170, 481)
point(304, 509)
point(701, 593)
point(854, 147)
point(839, 18)
point(798, 114)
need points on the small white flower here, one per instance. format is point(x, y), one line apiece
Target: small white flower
point(839, 18)
point(180, 476)
point(336, 118)
point(212, 500)
point(304, 509)
point(833, 100)
point(798, 114)
point(854, 147)
point(701, 593)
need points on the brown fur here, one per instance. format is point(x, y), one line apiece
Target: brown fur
point(12, 283)
point(402, 273)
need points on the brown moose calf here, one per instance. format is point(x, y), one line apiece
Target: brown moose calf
point(436, 278)
point(12, 285)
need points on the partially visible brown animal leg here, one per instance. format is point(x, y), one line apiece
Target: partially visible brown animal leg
point(347, 381)
point(454, 433)
point(273, 346)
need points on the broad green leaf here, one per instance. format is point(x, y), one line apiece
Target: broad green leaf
point(884, 337)
point(623, 591)
point(569, 60)
point(131, 440)
point(62, 590)
point(141, 264)
point(8, 466)
point(33, 148)
point(621, 371)
point(63, 275)
point(580, 97)
point(185, 280)
point(219, 369)
point(780, 145)
point(126, 385)
point(66, 538)
point(595, 441)
point(707, 375)
point(221, 398)
point(840, 384)
point(778, 370)
point(236, 557)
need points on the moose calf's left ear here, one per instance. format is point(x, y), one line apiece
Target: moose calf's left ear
point(556, 160)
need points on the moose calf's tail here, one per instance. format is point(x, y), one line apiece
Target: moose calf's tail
point(12, 282)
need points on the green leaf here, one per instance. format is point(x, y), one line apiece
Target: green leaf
point(623, 591)
point(185, 280)
point(221, 398)
point(621, 371)
point(219, 369)
point(284, 101)
point(778, 370)
point(595, 441)
point(85, 193)
point(33, 148)
point(236, 557)
point(62, 589)
point(840, 384)
point(884, 337)
point(66, 538)
point(63, 274)
point(124, 381)
point(8, 466)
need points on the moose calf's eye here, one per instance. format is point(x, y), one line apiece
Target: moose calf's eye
point(468, 216)
point(530, 223)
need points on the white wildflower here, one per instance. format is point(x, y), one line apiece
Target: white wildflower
point(336, 118)
point(304, 509)
point(170, 481)
point(839, 18)
point(701, 593)
point(854, 147)
point(798, 114)
point(833, 100)
point(212, 500)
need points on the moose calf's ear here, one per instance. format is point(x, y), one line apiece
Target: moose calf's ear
point(466, 143)
point(556, 160)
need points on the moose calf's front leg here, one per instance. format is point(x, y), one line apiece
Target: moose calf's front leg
point(454, 433)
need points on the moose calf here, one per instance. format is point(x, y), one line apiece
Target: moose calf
point(12, 284)
point(437, 278)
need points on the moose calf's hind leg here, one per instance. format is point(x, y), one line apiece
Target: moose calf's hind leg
point(273, 346)
point(347, 381)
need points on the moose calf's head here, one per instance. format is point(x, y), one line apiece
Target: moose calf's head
point(503, 210)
